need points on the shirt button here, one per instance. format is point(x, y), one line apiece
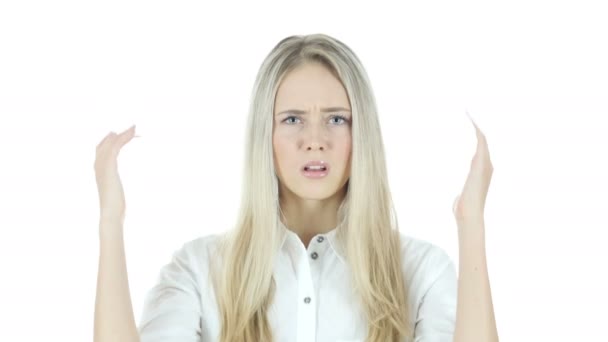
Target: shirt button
point(314, 255)
point(307, 300)
point(320, 239)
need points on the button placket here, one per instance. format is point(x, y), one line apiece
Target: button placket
point(306, 330)
point(314, 255)
point(316, 251)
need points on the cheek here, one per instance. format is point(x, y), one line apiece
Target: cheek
point(347, 158)
point(280, 146)
point(346, 147)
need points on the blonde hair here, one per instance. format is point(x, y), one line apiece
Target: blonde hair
point(368, 230)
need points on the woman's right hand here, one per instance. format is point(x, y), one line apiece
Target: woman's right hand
point(109, 186)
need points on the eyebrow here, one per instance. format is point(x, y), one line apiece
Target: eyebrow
point(324, 110)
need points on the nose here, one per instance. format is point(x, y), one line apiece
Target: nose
point(315, 140)
point(315, 146)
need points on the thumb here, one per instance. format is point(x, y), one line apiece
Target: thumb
point(125, 137)
point(455, 204)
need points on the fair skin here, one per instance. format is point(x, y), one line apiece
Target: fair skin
point(304, 130)
point(309, 207)
point(475, 319)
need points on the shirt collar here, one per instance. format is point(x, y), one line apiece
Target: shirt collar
point(330, 236)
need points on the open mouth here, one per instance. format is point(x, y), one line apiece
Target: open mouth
point(318, 169)
point(315, 168)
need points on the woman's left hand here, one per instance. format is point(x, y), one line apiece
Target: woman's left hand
point(469, 206)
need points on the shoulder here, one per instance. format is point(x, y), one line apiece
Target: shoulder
point(202, 246)
point(424, 263)
point(422, 253)
point(196, 254)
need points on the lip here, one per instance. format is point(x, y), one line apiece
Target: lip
point(316, 174)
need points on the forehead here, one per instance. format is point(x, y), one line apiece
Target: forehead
point(310, 84)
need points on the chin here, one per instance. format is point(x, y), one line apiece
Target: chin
point(316, 193)
point(314, 196)
point(313, 189)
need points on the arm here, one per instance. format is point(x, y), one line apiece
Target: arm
point(474, 312)
point(475, 320)
point(114, 319)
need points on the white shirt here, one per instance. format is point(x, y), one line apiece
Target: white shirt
point(313, 299)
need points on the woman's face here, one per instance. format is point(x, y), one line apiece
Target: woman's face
point(312, 122)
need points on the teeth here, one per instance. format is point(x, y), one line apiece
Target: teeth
point(315, 167)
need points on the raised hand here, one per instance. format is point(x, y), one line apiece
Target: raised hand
point(109, 186)
point(469, 205)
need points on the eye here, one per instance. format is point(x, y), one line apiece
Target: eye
point(290, 117)
point(340, 117)
point(343, 119)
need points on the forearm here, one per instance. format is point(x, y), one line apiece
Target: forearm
point(114, 320)
point(475, 321)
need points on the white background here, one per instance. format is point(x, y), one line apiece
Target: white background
point(533, 75)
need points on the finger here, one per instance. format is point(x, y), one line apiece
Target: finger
point(482, 142)
point(108, 150)
point(480, 136)
point(124, 137)
point(104, 140)
point(455, 203)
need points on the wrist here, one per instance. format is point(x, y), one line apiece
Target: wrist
point(110, 227)
point(471, 232)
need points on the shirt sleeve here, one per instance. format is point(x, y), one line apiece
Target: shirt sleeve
point(172, 309)
point(436, 319)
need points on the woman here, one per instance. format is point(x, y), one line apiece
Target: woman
point(316, 253)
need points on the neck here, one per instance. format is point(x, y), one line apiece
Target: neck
point(309, 217)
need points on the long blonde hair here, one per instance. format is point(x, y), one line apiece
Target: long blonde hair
point(368, 231)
